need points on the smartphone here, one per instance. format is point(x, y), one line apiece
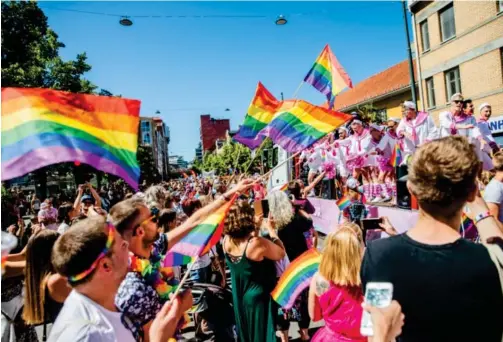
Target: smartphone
point(265, 207)
point(379, 295)
point(370, 223)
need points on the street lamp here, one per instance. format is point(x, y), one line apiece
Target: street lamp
point(281, 20)
point(125, 21)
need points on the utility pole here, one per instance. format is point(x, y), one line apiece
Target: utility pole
point(409, 54)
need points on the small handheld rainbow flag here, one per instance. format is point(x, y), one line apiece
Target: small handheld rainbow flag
point(283, 187)
point(396, 157)
point(296, 278)
point(176, 259)
point(205, 235)
point(328, 76)
point(343, 203)
point(260, 113)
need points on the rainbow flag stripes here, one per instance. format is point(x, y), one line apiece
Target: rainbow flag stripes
point(204, 236)
point(298, 124)
point(328, 76)
point(343, 203)
point(296, 278)
point(176, 259)
point(261, 111)
point(41, 127)
point(396, 157)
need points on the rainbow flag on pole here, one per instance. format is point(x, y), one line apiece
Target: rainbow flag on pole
point(343, 203)
point(41, 127)
point(396, 157)
point(298, 124)
point(203, 237)
point(296, 278)
point(176, 259)
point(260, 113)
point(328, 76)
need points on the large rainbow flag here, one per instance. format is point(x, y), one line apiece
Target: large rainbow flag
point(296, 278)
point(202, 238)
point(41, 127)
point(328, 76)
point(298, 124)
point(260, 113)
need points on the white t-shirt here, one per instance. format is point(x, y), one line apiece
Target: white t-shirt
point(493, 193)
point(63, 227)
point(82, 320)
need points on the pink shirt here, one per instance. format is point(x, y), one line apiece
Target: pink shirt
point(342, 311)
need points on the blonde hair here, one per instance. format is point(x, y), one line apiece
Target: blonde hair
point(38, 269)
point(342, 256)
point(498, 161)
point(281, 208)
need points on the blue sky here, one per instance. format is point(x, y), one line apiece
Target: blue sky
point(185, 67)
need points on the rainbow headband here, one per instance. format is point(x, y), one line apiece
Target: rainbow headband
point(108, 245)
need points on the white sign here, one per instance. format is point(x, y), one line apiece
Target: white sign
point(496, 124)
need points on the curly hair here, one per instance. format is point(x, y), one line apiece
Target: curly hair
point(155, 196)
point(239, 222)
point(442, 175)
point(281, 208)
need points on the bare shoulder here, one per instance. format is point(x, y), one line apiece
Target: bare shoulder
point(256, 248)
point(322, 285)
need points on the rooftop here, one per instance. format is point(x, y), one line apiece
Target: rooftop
point(385, 82)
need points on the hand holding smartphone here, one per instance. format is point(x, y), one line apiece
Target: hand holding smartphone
point(378, 295)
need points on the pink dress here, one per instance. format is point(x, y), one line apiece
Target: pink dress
point(342, 312)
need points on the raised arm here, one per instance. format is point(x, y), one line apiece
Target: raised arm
point(311, 186)
point(96, 196)
point(76, 204)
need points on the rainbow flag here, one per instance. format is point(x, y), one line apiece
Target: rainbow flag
point(283, 187)
point(260, 113)
point(41, 127)
point(205, 235)
point(298, 124)
point(343, 203)
point(176, 259)
point(396, 156)
point(328, 76)
point(296, 278)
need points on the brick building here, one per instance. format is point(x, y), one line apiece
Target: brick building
point(460, 46)
point(211, 130)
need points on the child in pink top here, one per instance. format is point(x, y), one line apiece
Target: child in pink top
point(335, 293)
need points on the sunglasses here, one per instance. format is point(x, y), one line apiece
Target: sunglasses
point(457, 101)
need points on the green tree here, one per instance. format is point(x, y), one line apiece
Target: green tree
point(371, 114)
point(148, 170)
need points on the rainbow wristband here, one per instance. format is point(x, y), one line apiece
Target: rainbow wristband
point(481, 216)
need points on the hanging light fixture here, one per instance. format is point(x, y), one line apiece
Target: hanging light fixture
point(125, 21)
point(281, 20)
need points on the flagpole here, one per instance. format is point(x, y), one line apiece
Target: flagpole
point(184, 279)
point(297, 90)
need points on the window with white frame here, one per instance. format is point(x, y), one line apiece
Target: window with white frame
point(447, 24)
point(500, 5)
point(452, 82)
point(425, 36)
point(430, 92)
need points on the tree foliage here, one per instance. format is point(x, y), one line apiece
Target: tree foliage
point(233, 156)
point(369, 113)
point(148, 170)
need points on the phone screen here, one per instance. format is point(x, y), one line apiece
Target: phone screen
point(379, 295)
point(369, 224)
point(265, 207)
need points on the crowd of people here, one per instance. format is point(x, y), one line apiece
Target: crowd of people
point(91, 265)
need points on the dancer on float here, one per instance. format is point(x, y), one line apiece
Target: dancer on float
point(382, 149)
point(358, 149)
point(342, 154)
point(390, 177)
point(415, 129)
point(456, 122)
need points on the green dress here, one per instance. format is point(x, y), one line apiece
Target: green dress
point(252, 283)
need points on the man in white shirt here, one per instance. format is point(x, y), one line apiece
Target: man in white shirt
point(483, 125)
point(94, 258)
point(415, 129)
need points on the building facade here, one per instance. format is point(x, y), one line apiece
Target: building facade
point(460, 45)
point(385, 91)
point(177, 162)
point(211, 130)
point(199, 152)
point(154, 134)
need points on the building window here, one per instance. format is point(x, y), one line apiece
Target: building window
point(425, 36)
point(430, 91)
point(452, 82)
point(447, 25)
point(500, 5)
point(146, 138)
